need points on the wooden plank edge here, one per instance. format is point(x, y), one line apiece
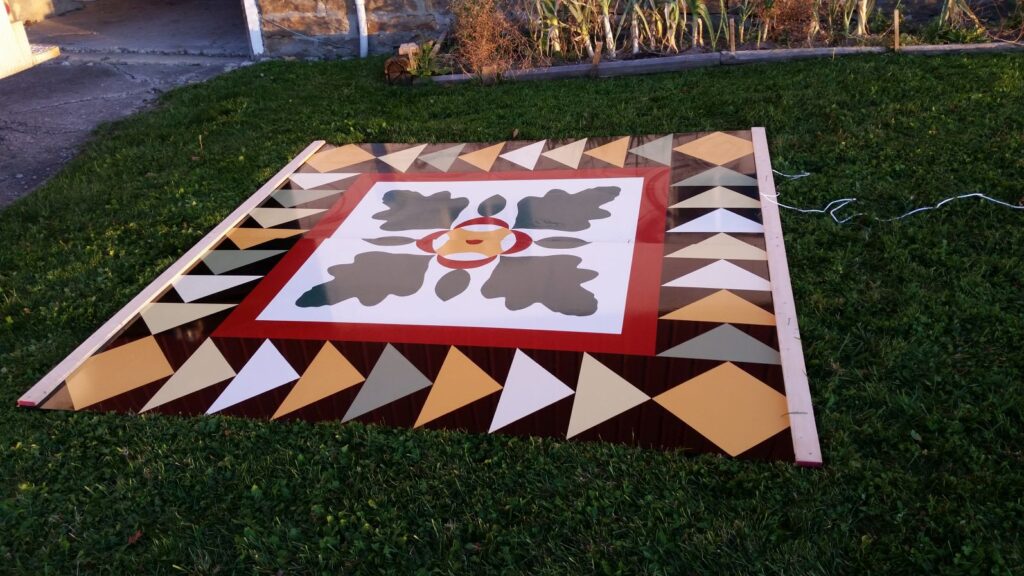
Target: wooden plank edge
point(786, 54)
point(688, 61)
point(38, 393)
point(806, 447)
point(935, 49)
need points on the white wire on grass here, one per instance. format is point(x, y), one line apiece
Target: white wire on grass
point(792, 176)
point(831, 208)
point(950, 199)
point(836, 205)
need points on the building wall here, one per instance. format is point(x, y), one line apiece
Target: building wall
point(329, 28)
point(36, 10)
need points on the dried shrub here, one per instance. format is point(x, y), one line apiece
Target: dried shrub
point(486, 37)
point(792, 21)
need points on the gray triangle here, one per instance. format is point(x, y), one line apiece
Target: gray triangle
point(221, 261)
point(293, 198)
point(392, 378)
point(726, 343)
point(659, 150)
point(443, 159)
point(718, 176)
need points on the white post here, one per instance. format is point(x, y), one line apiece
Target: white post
point(252, 24)
point(361, 20)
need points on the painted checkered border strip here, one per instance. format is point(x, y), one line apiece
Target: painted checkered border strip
point(713, 194)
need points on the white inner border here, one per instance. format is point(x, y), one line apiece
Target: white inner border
point(609, 253)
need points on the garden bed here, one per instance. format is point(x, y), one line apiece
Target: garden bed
point(704, 60)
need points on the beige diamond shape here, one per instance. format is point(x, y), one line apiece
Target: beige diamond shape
point(717, 148)
point(729, 407)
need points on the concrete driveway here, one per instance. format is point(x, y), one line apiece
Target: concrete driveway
point(48, 112)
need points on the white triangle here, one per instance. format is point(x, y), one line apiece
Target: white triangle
point(720, 220)
point(719, 197)
point(306, 180)
point(205, 367)
point(528, 388)
point(601, 394)
point(402, 159)
point(718, 176)
point(443, 159)
point(194, 287)
point(721, 275)
point(266, 370)
point(526, 156)
point(570, 154)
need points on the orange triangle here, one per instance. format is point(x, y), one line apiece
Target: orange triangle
point(248, 237)
point(329, 373)
point(613, 152)
point(483, 158)
point(723, 306)
point(337, 158)
point(459, 383)
point(117, 371)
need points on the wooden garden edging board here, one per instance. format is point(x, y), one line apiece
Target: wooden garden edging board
point(607, 69)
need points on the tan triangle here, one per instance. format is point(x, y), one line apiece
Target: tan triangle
point(719, 197)
point(249, 237)
point(569, 154)
point(459, 383)
point(204, 368)
point(483, 158)
point(402, 159)
point(613, 152)
point(601, 394)
point(59, 400)
point(270, 217)
point(117, 371)
point(329, 373)
point(337, 158)
point(723, 306)
point(717, 148)
point(160, 316)
point(721, 246)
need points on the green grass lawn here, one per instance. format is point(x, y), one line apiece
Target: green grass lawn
point(913, 334)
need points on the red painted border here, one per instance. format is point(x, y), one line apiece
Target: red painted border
point(639, 326)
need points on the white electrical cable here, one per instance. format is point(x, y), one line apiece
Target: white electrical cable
point(792, 176)
point(836, 205)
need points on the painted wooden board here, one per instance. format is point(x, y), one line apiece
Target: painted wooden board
point(621, 289)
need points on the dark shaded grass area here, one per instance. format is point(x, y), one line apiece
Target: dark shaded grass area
point(912, 333)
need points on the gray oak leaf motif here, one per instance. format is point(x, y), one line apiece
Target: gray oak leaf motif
point(559, 210)
point(491, 206)
point(410, 210)
point(555, 282)
point(560, 242)
point(452, 284)
point(371, 277)
point(390, 241)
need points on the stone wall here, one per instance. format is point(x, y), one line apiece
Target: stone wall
point(328, 28)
